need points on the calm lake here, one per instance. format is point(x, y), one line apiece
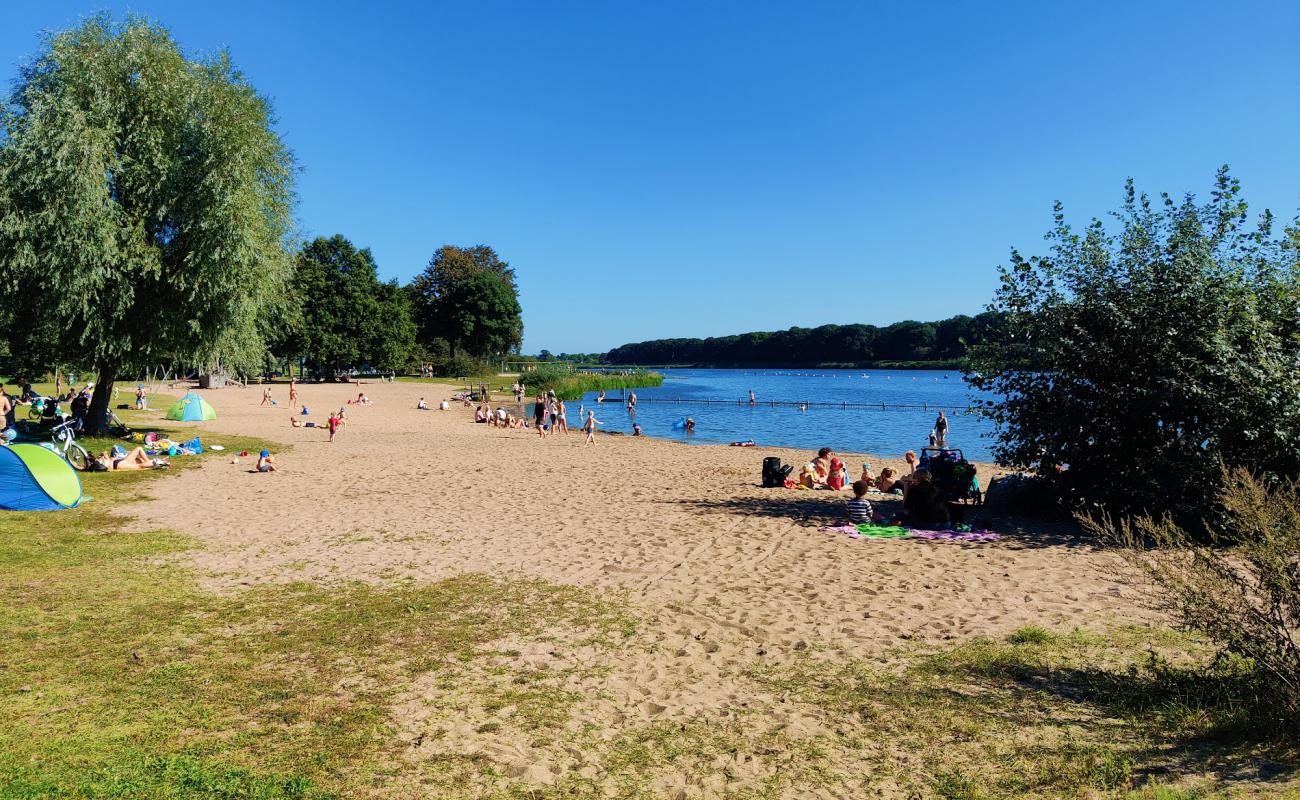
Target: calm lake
point(862, 430)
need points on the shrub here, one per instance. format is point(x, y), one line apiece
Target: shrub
point(459, 366)
point(1244, 597)
point(1135, 358)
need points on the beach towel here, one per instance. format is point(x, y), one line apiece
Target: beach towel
point(870, 531)
point(884, 531)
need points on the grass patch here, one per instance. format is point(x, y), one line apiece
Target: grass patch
point(1041, 714)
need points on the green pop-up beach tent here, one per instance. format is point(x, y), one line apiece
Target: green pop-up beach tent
point(191, 408)
point(35, 479)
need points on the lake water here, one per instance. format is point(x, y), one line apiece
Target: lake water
point(886, 432)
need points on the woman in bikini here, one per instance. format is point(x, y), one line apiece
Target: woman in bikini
point(136, 459)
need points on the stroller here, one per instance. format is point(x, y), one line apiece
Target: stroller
point(953, 475)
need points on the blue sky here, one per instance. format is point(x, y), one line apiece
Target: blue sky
point(694, 169)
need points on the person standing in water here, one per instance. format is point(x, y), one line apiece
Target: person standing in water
point(941, 430)
point(752, 398)
point(631, 402)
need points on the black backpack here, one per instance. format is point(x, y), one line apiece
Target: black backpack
point(774, 472)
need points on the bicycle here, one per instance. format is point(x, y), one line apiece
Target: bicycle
point(37, 409)
point(64, 435)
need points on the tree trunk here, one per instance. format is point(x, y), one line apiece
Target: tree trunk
point(97, 415)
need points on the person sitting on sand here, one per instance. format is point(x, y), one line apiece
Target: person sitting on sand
point(889, 483)
point(923, 505)
point(910, 458)
point(423, 406)
point(838, 476)
point(858, 507)
point(809, 477)
point(265, 463)
point(362, 400)
point(444, 406)
point(123, 461)
point(823, 461)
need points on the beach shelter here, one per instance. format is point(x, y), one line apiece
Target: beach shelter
point(191, 408)
point(33, 478)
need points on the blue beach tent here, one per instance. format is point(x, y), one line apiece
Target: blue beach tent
point(33, 478)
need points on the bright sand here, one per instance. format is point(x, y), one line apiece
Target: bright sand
point(722, 569)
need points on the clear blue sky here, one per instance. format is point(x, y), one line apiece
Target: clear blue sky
point(703, 168)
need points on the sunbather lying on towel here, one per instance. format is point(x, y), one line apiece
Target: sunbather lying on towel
point(136, 459)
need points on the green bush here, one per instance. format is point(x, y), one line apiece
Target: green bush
point(1133, 360)
point(460, 366)
point(1244, 597)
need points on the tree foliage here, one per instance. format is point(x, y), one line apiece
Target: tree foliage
point(825, 345)
point(467, 297)
point(348, 317)
point(1137, 360)
point(145, 203)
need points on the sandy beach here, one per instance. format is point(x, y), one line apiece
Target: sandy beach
point(721, 571)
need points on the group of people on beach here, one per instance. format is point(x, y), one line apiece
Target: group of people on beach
point(923, 503)
point(550, 415)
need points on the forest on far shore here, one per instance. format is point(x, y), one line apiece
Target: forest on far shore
point(941, 342)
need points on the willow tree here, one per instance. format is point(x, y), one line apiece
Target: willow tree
point(145, 203)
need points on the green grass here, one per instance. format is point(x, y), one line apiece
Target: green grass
point(1042, 714)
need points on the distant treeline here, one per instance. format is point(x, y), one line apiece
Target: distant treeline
point(828, 345)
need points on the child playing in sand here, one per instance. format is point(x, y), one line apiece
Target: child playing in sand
point(590, 427)
point(858, 507)
point(423, 406)
point(265, 463)
point(334, 423)
point(266, 397)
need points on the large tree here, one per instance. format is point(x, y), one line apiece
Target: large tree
point(348, 317)
point(145, 203)
point(451, 289)
point(1135, 360)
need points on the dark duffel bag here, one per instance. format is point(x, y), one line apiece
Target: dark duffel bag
point(774, 472)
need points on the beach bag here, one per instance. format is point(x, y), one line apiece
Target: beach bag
point(774, 472)
point(194, 445)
